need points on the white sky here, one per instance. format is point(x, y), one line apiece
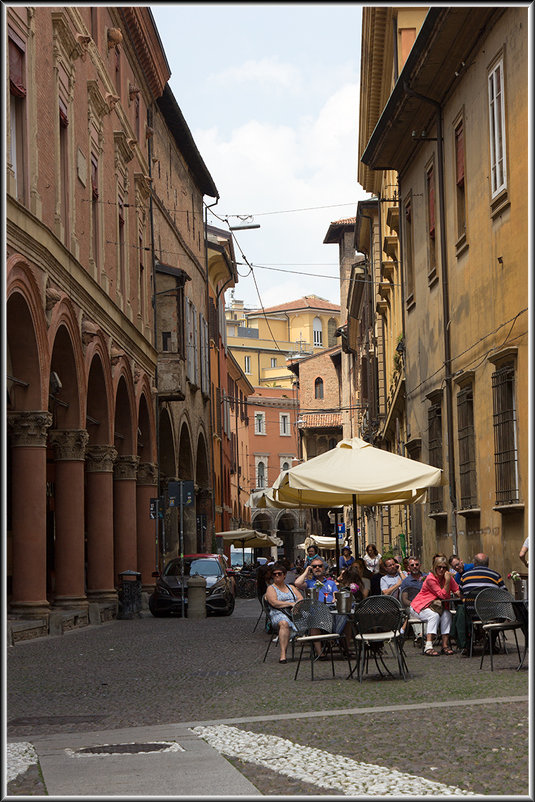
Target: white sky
point(270, 93)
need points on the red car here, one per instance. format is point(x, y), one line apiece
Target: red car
point(170, 584)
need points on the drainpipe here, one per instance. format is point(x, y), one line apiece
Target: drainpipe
point(395, 40)
point(158, 550)
point(211, 444)
point(380, 229)
point(445, 308)
point(402, 282)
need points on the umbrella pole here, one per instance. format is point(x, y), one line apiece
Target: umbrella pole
point(355, 527)
point(337, 544)
point(243, 553)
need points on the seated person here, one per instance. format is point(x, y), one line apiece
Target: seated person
point(315, 575)
point(312, 553)
point(438, 586)
point(281, 598)
point(346, 558)
point(351, 579)
point(409, 589)
point(472, 581)
point(458, 567)
point(391, 581)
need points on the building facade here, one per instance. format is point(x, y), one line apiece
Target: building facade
point(455, 137)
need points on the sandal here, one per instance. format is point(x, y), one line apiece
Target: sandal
point(447, 650)
point(283, 661)
point(431, 653)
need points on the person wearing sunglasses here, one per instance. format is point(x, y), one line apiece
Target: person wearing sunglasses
point(281, 598)
point(430, 604)
point(409, 589)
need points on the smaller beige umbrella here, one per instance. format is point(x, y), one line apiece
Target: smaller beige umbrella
point(250, 538)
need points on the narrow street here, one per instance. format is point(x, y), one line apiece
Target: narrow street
point(164, 675)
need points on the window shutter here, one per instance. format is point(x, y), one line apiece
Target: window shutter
point(431, 200)
point(63, 116)
point(459, 151)
point(17, 83)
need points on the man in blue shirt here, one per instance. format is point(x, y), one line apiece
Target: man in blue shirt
point(315, 573)
point(459, 567)
point(410, 587)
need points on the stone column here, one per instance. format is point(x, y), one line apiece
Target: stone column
point(28, 474)
point(99, 492)
point(124, 514)
point(69, 552)
point(147, 488)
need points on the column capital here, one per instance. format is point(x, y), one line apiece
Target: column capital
point(69, 444)
point(125, 467)
point(147, 473)
point(100, 458)
point(29, 428)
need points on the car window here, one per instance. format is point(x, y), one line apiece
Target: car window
point(204, 568)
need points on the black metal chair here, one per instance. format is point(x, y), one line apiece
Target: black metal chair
point(495, 609)
point(378, 621)
point(308, 614)
point(260, 598)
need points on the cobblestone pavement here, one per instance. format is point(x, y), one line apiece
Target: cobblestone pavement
point(154, 671)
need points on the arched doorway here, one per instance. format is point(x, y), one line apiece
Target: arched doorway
point(203, 498)
point(185, 471)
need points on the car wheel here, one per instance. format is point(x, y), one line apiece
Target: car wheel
point(230, 608)
point(154, 610)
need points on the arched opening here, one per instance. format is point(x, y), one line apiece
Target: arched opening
point(318, 388)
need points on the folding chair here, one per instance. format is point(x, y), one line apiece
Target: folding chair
point(308, 614)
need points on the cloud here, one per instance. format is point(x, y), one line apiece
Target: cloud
point(264, 71)
point(261, 167)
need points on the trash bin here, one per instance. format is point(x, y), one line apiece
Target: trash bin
point(196, 596)
point(129, 594)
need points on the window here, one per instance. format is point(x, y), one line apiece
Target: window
point(497, 130)
point(205, 356)
point(434, 422)
point(505, 443)
point(166, 340)
point(17, 107)
point(318, 388)
point(273, 361)
point(317, 331)
point(431, 249)
point(260, 423)
point(141, 288)
point(460, 180)
point(285, 465)
point(284, 424)
point(121, 278)
point(64, 169)
point(407, 250)
point(94, 210)
point(261, 475)
point(191, 341)
point(247, 364)
point(467, 450)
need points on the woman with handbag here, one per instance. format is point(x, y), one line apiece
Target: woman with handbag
point(430, 604)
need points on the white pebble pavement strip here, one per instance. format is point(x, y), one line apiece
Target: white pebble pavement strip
point(323, 769)
point(20, 756)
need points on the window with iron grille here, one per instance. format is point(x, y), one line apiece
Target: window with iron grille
point(467, 455)
point(434, 419)
point(505, 442)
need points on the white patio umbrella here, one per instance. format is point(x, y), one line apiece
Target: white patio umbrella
point(356, 472)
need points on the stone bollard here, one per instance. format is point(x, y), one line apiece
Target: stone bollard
point(196, 596)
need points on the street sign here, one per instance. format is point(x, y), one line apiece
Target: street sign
point(153, 508)
point(341, 528)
